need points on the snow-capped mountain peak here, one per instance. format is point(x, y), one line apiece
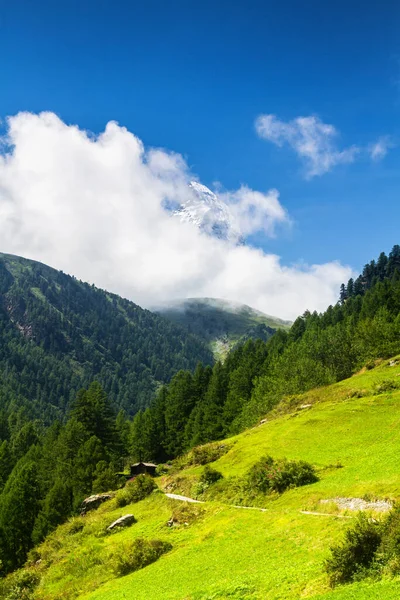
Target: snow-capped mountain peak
point(210, 214)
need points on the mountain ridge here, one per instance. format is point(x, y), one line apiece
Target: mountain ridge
point(221, 322)
point(59, 333)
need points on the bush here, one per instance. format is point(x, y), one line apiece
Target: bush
point(19, 586)
point(137, 555)
point(135, 490)
point(201, 455)
point(269, 475)
point(352, 557)
point(390, 545)
point(185, 513)
point(387, 385)
point(210, 476)
point(75, 525)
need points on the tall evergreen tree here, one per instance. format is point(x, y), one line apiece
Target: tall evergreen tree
point(181, 401)
point(93, 409)
point(57, 506)
point(343, 294)
point(19, 507)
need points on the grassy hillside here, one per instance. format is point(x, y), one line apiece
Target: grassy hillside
point(349, 431)
point(220, 322)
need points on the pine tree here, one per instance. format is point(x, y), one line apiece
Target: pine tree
point(23, 439)
point(394, 261)
point(381, 266)
point(19, 506)
point(93, 410)
point(343, 294)
point(88, 456)
point(57, 506)
point(181, 400)
point(358, 289)
point(212, 405)
point(104, 478)
point(350, 287)
point(6, 463)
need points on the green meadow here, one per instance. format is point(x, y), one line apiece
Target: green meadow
point(349, 431)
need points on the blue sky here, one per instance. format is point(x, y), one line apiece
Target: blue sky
point(194, 76)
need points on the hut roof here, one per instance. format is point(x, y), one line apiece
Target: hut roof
point(143, 463)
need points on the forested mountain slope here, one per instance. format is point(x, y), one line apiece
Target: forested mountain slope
point(45, 472)
point(221, 323)
point(319, 349)
point(58, 334)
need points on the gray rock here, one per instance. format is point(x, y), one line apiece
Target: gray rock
point(357, 504)
point(93, 502)
point(124, 521)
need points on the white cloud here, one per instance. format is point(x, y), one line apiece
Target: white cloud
point(312, 139)
point(379, 149)
point(255, 211)
point(93, 207)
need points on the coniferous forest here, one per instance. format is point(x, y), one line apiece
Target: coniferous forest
point(319, 349)
point(58, 334)
point(77, 364)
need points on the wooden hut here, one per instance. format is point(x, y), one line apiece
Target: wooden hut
point(142, 467)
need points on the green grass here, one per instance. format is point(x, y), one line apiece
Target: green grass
point(233, 553)
point(39, 294)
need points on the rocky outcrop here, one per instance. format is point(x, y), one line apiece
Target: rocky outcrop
point(357, 504)
point(93, 502)
point(124, 521)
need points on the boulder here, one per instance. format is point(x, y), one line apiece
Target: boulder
point(124, 521)
point(93, 502)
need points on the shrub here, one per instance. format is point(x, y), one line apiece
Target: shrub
point(137, 555)
point(75, 525)
point(390, 545)
point(19, 586)
point(356, 553)
point(210, 476)
point(135, 490)
point(370, 364)
point(185, 513)
point(201, 455)
point(387, 385)
point(162, 469)
point(269, 475)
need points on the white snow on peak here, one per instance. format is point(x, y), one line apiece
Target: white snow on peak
point(212, 216)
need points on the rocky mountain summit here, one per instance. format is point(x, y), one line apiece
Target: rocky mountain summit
point(212, 216)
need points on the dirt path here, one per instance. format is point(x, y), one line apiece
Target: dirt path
point(183, 498)
point(186, 499)
point(320, 514)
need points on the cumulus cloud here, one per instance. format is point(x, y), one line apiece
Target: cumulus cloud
point(379, 150)
point(93, 206)
point(312, 140)
point(254, 211)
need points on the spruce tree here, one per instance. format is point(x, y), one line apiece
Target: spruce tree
point(19, 506)
point(6, 463)
point(181, 400)
point(343, 294)
point(93, 409)
point(350, 287)
point(57, 506)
